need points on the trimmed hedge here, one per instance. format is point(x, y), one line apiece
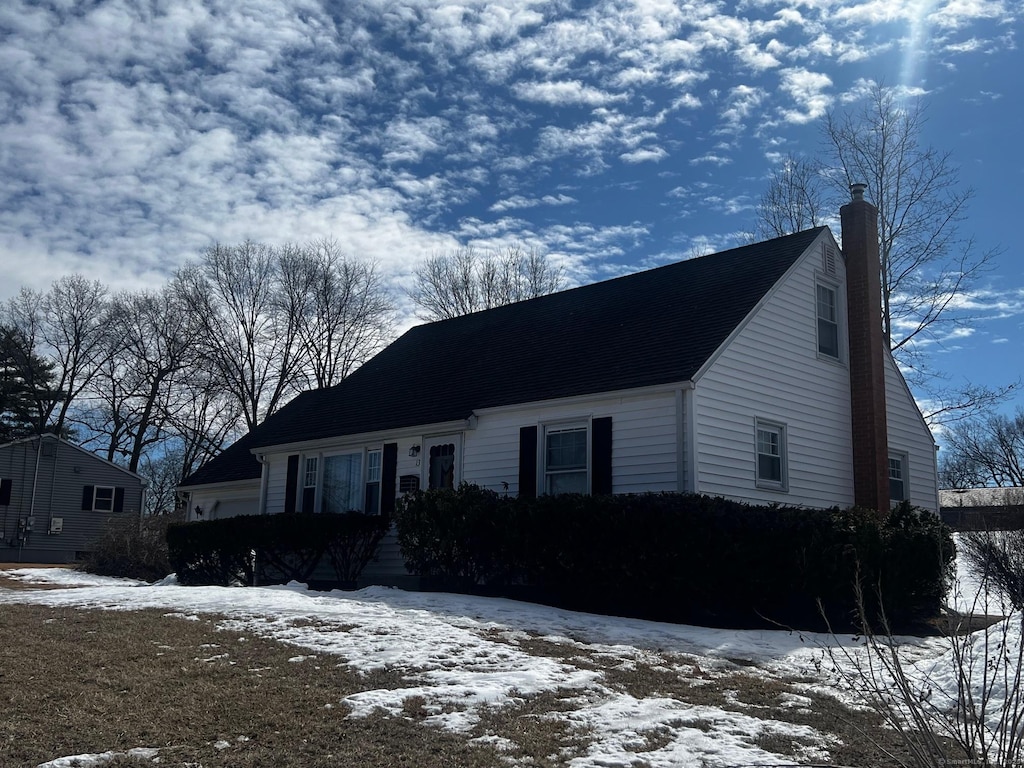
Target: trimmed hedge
point(681, 557)
point(268, 549)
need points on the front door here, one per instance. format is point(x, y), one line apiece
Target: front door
point(443, 465)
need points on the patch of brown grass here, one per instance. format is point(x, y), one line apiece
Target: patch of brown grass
point(535, 736)
point(76, 681)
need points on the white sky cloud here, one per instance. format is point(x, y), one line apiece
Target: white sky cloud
point(132, 137)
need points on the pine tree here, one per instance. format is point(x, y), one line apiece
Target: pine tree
point(27, 389)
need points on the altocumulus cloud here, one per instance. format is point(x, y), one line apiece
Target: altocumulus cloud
point(134, 135)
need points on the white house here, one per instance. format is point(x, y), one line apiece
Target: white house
point(758, 374)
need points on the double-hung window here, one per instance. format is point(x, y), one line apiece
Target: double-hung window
point(565, 459)
point(309, 476)
point(771, 455)
point(103, 498)
point(373, 472)
point(828, 321)
point(897, 478)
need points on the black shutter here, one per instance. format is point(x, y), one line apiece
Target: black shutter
point(528, 462)
point(291, 483)
point(601, 455)
point(308, 499)
point(388, 478)
point(119, 499)
point(5, 492)
point(87, 498)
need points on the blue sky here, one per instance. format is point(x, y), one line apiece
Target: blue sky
point(611, 135)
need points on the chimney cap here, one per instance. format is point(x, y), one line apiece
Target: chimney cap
point(857, 190)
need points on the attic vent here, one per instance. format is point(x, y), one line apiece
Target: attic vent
point(828, 259)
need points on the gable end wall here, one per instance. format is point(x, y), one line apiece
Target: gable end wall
point(771, 370)
point(63, 472)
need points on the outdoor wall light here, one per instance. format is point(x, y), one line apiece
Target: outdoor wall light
point(414, 451)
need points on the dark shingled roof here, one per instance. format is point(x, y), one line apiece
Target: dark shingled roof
point(649, 328)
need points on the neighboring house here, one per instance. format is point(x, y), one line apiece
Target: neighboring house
point(983, 508)
point(759, 374)
point(56, 499)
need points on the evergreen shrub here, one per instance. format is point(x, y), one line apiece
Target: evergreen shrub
point(681, 557)
point(269, 549)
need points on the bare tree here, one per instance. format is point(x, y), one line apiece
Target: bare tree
point(201, 420)
point(798, 197)
point(342, 311)
point(928, 264)
point(154, 340)
point(248, 341)
point(464, 281)
point(986, 450)
point(74, 334)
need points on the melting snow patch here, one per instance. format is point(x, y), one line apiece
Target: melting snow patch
point(88, 761)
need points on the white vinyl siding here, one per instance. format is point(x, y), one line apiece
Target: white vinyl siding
point(771, 370)
point(909, 436)
point(241, 497)
point(644, 440)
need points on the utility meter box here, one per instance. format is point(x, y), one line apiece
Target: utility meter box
point(56, 524)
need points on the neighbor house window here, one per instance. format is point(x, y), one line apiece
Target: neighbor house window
point(898, 478)
point(103, 498)
point(342, 487)
point(373, 467)
point(565, 459)
point(771, 455)
point(828, 321)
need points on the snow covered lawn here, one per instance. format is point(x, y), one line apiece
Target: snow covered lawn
point(622, 692)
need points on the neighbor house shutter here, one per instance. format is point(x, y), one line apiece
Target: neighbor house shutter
point(601, 455)
point(291, 484)
point(388, 479)
point(119, 499)
point(87, 494)
point(5, 492)
point(528, 462)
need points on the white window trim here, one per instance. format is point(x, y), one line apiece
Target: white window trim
point(364, 467)
point(95, 494)
point(904, 461)
point(780, 429)
point(547, 428)
point(840, 314)
point(380, 479)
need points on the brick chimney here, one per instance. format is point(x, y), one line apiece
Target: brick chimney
point(867, 351)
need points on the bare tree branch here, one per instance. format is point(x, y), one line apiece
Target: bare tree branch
point(464, 281)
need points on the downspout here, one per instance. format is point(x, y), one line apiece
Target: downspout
point(30, 521)
point(53, 482)
point(686, 450)
point(264, 483)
